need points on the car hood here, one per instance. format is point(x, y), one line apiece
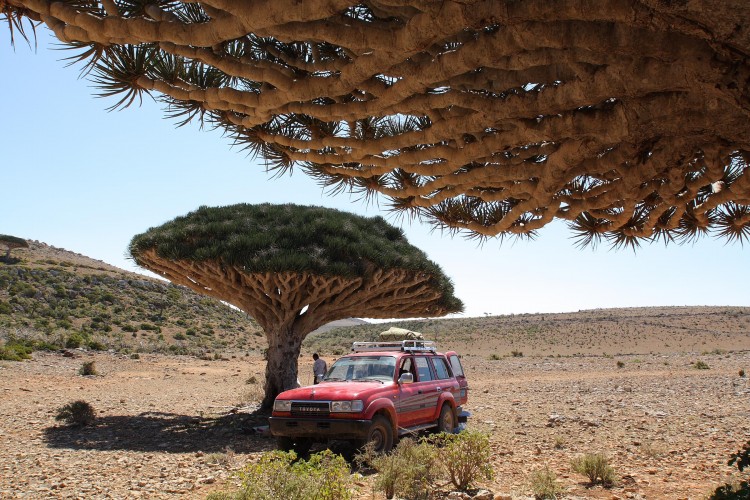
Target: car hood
point(335, 391)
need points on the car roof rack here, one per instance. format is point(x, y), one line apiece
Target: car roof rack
point(398, 345)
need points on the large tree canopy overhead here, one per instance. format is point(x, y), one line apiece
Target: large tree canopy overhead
point(628, 119)
point(294, 269)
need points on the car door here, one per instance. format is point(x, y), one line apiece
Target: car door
point(427, 393)
point(458, 372)
point(408, 404)
point(446, 382)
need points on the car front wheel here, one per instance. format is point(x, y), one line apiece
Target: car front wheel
point(380, 435)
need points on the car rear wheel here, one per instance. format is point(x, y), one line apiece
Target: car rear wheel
point(301, 446)
point(380, 435)
point(447, 420)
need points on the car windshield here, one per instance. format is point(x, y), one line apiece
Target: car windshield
point(379, 368)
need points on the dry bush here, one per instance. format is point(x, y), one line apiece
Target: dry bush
point(466, 457)
point(88, 368)
point(78, 413)
point(596, 467)
point(280, 475)
point(409, 471)
point(544, 485)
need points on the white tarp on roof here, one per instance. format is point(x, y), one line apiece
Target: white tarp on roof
point(394, 333)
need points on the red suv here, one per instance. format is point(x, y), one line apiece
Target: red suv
point(379, 392)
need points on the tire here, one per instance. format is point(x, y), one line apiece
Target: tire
point(380, 434)
point(301, 446)
point(447, 419)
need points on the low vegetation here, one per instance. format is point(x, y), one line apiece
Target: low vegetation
point(466, 457)
point(544, 485)
point(278, 474)
point(88, 368)
point(596, 468)
point(78, 414)
point(411, 470)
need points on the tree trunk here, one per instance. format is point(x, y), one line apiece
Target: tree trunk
point(284, 346)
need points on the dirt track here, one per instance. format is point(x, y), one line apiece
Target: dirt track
point(668, 428)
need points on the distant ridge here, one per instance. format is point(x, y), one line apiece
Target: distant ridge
point(610, 332)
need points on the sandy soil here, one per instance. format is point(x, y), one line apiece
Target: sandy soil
point(164, 422)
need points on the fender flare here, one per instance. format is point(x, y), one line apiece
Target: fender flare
point(383, 405)
point(445, 398)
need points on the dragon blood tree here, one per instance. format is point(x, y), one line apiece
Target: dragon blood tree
point(11, 242)
point(295, 268)
point(627, 119)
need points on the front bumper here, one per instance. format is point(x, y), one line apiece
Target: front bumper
point(319, 428)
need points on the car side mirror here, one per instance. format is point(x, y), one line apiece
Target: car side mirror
point(406, 378)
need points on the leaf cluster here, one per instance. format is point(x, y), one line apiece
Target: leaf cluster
point(13, 241)
point(290, 238)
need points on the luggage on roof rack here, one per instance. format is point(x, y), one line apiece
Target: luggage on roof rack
point(401, 345)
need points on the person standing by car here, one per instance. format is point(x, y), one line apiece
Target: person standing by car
point(319, 368)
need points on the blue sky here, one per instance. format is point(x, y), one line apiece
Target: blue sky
point(78, 177)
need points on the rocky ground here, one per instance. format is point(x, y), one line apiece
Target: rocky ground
point(169, 426)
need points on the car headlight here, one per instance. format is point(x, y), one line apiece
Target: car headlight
point(355, 406)
point(282, 405)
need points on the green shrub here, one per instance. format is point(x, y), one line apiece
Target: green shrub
point(596, 467)
point(15, 352)
point(494, 357)
point(410, 471)
point(225, 459)
point(74, 341)
point(135, 355)
point(78, 413)
point(466, 457)
point(700, 365)
point(129, 328)
point(279, 475)
point(64, 324)
point(179, 336)
point(5, 308)
point(544, 485)
point(88, 368)
point(96, 345)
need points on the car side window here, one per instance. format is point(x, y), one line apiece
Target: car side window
point(458, 370)
point(441, 368)
point(406, 367)
point(423, 369)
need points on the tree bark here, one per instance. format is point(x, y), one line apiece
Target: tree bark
point(284, 344)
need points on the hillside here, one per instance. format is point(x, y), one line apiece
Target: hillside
point(58, 298)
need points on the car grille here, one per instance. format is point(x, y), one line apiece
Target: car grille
point(311, 408)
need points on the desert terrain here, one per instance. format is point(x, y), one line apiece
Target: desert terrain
point(179, 427)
